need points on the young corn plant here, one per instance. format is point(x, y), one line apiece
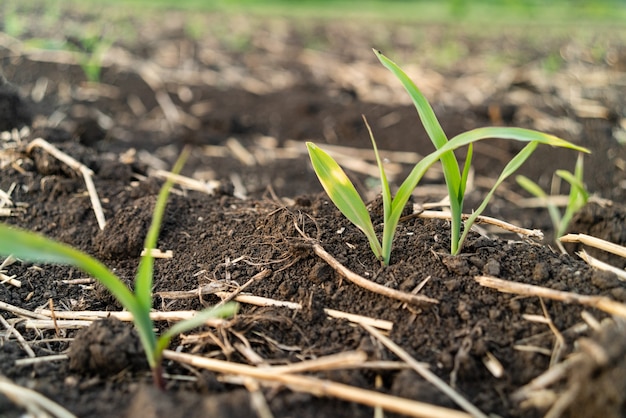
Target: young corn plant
point(33, 247)
point(577, 198)
point(89, 50)
point(344, 195)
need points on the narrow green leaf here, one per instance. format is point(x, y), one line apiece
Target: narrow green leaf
point(343, 194)
point(145, 271)
point(518, 134)
point(578, 195)
point(34, 247)
point(535, 190)
point(449, 163)
point(509, 169)
point(466, 169)
point(574, 181)
point(530, 186)
point(524, 135)
point(386, 194)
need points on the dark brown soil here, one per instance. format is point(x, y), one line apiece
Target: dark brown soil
point(288, 84)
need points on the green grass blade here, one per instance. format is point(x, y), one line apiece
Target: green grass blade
point(535, 190)
point(510, 168)
point(438, 137)
point(466, 169)
point(224, 311)
point(144, 277)
point(578, 195)
point(531, 187)
point(34, 247)
point(37, 248)
point(517, 134)
point(343, 194)
point(386, 194)
point(525, 135)
point(574, 181)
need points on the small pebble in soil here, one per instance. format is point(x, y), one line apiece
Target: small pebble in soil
point(541, 272)
point(604, 279)
point(492, 268)
point(321, 272)
point(456, 265)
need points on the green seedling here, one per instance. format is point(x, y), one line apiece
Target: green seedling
point(37, 248)
point(344, 195)
point(577, 197)
point(89, 51)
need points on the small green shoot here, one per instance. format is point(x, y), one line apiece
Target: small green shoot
point(577, 198)
point(344, 195)
point(89, 51)
point(33, 247)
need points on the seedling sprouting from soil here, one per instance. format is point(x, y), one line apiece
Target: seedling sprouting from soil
point(89, 50)
point(344, 195)
point(37, 248)
point(576, 199)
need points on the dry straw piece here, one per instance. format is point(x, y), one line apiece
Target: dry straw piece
point(78, 166)
point(599, 302)
point(36, 404)
point(319, 387)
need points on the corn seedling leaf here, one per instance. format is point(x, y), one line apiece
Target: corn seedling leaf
point(509, 169)
point(536, 190)
point(578, 195)
point(343, 194)
point(466, 169)
point(438, 137)
point(34, 247)
point(143, 278)
point(386, 194)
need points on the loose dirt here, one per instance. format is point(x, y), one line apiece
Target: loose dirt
point(260, 213)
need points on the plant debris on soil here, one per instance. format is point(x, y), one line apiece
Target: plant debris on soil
point(249, 221)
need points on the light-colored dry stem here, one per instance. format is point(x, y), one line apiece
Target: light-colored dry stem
point(37, 404)
point(434, 214)
point(319, 387)
point(429, 376)
point(368, 284)
point(599, 302)
point(601, 265)
point(596, 243)
point(78, 166)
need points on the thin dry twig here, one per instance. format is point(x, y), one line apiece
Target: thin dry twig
point(35, 403)
point(361, 281)
point(257, 277)
point(368, 284)
point(20, 339)
point(434, 214)
point(426, 373)
point(156, 253)
point(347, 359)
point(208, 187)
point(357, 319)
point(78, 166)
point(596, 243)
point(39, 360)
point(599, 302)
point(257, 399)
point(21, 311)
point(319, 387)
point(127, 316)
point(601, 265)
point(10, 280)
